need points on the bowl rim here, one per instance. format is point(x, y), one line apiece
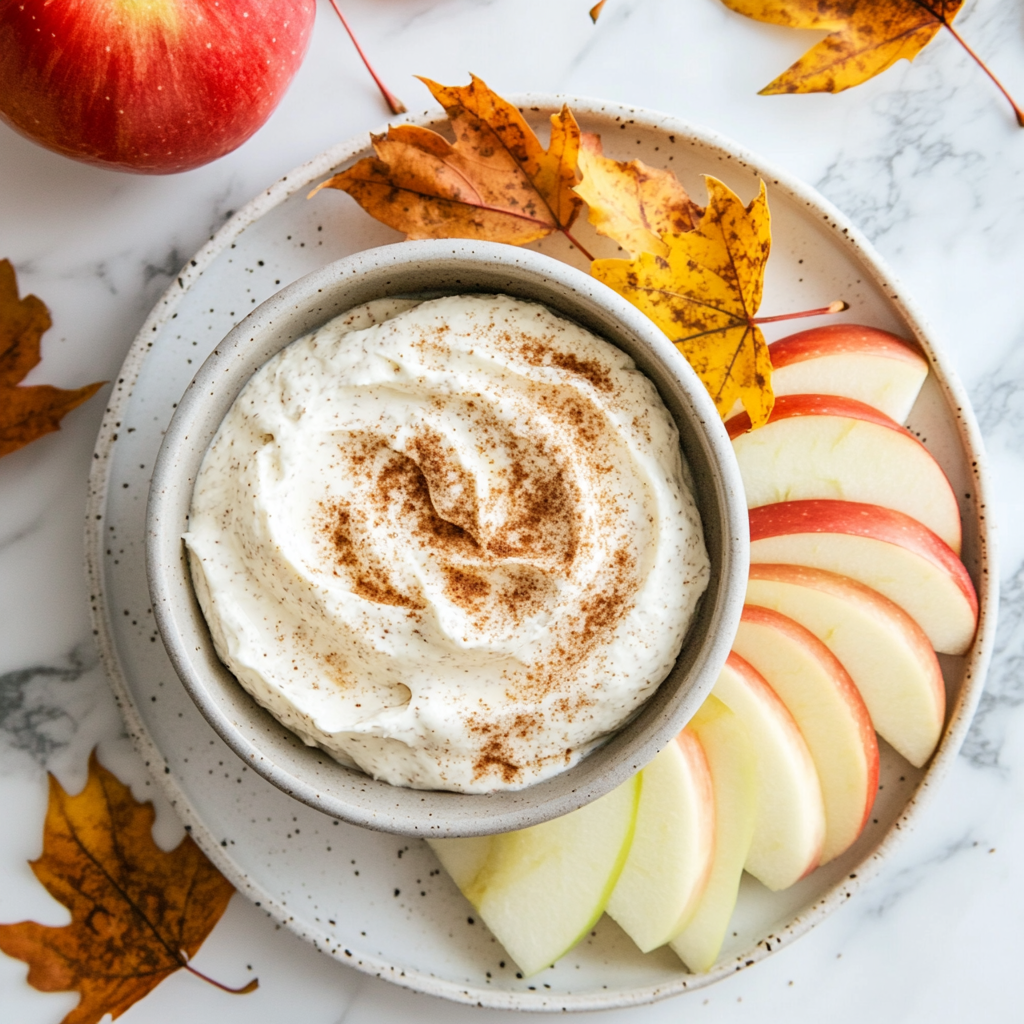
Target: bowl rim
point(311, 301)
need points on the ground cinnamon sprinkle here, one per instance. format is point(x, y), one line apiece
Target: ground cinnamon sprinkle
point(494, 754)
point(451, 490)
point(496, 749)
point(368, 578)
point(537, 354)
point(466, 589)
point(541, 520)
point(404, 480)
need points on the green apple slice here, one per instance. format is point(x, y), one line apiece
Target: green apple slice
point(733, 768)
point(541, 889)
point(670, 858)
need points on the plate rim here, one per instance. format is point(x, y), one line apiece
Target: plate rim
point(960, 714)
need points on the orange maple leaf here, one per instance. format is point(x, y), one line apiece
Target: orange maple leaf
point(27, 412)
point(496, 182)
point(138, 914)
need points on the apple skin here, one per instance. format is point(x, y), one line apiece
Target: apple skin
point(831, 339)
point(155, 87)
point(885, 651)
point(733, 767)
point(789, 826)
point(788, 406)
point(824, 446)
point(863, 363)
point(829, 711)
point(541, 889)
point(674, 840)
point(881, 548)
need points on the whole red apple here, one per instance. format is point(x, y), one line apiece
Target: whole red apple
point(153, 86)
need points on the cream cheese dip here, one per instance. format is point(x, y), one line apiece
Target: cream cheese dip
point(450, 542)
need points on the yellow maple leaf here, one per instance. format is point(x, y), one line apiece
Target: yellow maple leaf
point(865, 38)
point(631, 203)
point(704, 294)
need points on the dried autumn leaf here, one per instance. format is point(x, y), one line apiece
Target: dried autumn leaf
point(138, 914)
point(631, 203)
point(704, 294)
point(27, 412)
point(496, 182)
point(865, 37)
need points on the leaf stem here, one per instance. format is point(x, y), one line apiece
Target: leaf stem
point(243, 991)
point(833, 307)
point(395, 105)
point(984, 67)
point(586, 255)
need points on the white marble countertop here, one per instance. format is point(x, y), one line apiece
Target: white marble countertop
point(926, 159)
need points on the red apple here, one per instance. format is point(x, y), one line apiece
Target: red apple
point(829, 712)
point(881, 548)
point(154, 87)
point(789, 827)
point(824, 446)
point(858, 362)
point(885, 651)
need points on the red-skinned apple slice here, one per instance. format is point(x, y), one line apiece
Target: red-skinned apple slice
point(670, 859)
point(881, 548)
point(789, 828)
point(829, 711)
point(733, 768)
point(885, 651)
point(863, 363)
point(821, 446)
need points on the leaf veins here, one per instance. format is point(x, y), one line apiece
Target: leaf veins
point(138, 914)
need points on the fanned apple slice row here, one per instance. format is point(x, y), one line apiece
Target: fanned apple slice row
point(733, 767)
point(789, 826)
point(829, 711)
point(541, 889)
point(668, 864)
point(885, 651)
point(820, 446)
point(852, 361)
point(881, 548)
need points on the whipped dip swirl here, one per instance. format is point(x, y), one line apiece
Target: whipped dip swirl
point(450, 542)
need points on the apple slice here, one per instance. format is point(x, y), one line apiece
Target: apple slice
point(733, 769)
point(670, 858)
point(863, 363)
point(541, 889)
point(829, 712)
point(885, 651)
point(819, 446)
point(789, 825)
point(881, 548)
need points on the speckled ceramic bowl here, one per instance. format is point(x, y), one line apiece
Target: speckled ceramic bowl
point(439, 267)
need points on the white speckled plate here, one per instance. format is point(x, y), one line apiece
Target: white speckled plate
point(376, 901)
